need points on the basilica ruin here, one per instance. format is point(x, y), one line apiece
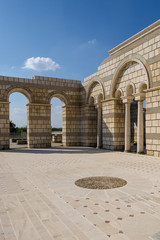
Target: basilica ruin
point(116, 107)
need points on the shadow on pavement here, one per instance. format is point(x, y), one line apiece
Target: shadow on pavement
point(58, 150)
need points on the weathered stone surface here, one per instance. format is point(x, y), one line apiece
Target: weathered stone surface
point(39, 200)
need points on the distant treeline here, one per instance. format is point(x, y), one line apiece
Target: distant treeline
point(14, 129)
point(57, 129)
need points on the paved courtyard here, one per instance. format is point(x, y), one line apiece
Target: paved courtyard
point(39, 200)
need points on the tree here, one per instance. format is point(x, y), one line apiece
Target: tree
point(12, 127)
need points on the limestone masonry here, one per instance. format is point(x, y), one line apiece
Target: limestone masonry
point(107, 110)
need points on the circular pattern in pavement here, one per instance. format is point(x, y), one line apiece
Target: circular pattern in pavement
point(100, 182)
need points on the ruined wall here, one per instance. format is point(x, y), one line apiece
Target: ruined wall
point(39, 91)
point(131, 72)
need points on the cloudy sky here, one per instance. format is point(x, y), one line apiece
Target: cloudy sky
point(64, 38)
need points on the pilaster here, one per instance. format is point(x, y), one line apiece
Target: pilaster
point(39, 125)
point(4, 125)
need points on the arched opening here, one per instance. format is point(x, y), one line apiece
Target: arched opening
point(91, 101)
point(133, 123)
point(95, 85)
point(58, 123)
point(135, 115)
point(127, 63)
point(18, 119)
point(92, 122)
point(96, 120)
point(94, 97)
point(119, 94)
point(132, 79)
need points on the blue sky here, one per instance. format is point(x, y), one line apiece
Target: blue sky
point(65, 38)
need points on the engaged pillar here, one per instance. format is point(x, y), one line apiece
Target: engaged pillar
point(39, 125)
point(99, 126)
point(140, 126)
point(4, 125)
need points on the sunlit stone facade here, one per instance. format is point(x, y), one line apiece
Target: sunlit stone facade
point(99, 112)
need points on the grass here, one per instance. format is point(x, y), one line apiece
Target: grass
point(16, 137)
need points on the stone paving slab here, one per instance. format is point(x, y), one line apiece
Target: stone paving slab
point(39, 200)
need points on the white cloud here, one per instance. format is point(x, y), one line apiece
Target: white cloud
point(93, 41)
point(40, 64)
point(88, 44)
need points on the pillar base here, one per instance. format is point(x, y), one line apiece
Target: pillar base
point(4, 147)
point(140, 152)
point(127, 151)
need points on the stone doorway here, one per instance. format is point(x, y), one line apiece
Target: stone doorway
point(56, 122)
point(18, 119)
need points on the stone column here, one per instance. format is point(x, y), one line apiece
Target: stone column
point(140, 126)
point(39, 125)
point(127, 127)
point(99, 126)
point(127, 101)
point(4, 125)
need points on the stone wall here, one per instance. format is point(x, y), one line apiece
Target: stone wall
point(4, 125)
point(39, 125)
point(113, 125)
point(89, 126)
point(71, 126)
point(153, 122)
point(39, 91)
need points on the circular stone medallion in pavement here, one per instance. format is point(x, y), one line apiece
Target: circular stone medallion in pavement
point(101, 182)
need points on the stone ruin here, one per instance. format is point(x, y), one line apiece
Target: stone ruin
point(107, 110)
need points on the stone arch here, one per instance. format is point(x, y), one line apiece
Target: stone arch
point(91, 100)
point(131, 58)
point(119, 93)
point(94, 80)
point(100, 98)
point(26, 92)
point(142, 87)
point(130, 89)
point(61, 95)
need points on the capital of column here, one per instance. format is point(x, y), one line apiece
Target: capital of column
point(98, 105)
point(127, 99)
point(140, 96)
